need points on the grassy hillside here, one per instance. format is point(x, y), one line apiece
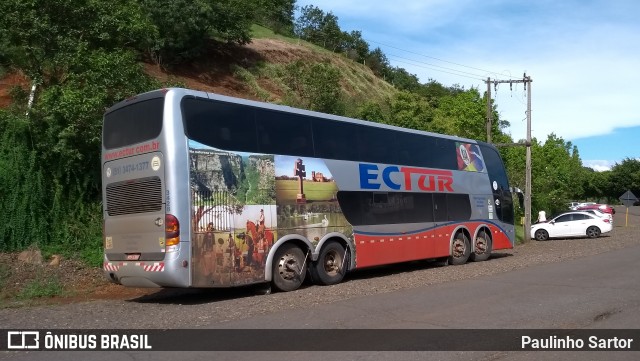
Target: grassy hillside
point(258, 71)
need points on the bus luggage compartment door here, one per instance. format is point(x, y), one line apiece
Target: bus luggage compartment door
point(135, 237)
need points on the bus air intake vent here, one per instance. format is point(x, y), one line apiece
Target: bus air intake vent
point(134, 196)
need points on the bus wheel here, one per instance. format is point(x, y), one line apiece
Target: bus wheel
point(331, 265)
point(482, 250)
point(289, 268)
point(460, 250)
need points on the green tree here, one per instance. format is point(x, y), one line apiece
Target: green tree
point(462, 114)
point(377, 61)
point(332, 36)
point(355, 47)
point(80, 53)
point(624, 176)
point(308, 26)
point(433, 91)
point(410, 111)
point(67, 119)
point(596, 184)
point(557, 175)
point(403, 80)
point(185, 27)
point(320, 28)
point(43, 35)
point(371, 111)
point(316, 86)
point(276, 15)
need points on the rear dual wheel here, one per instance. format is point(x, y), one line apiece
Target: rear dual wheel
point(460, 250)
point(482, 249)
point(331, 265)
point(289, 267)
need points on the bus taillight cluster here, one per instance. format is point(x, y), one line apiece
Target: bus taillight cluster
point(171, 230)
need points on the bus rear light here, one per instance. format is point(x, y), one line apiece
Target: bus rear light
point(171, 230)
point(172, 242)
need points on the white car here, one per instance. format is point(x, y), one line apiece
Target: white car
point(600, 214)
point(572, 224)
point(575, 205)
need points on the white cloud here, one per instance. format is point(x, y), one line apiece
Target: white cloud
point(598, 165)
point(582, 67)
point(395, 17)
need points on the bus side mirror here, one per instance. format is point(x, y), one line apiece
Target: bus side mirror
point(518, 191)
point(521, 200)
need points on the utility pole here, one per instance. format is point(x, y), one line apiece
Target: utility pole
point(489, 110)
point(527, 190)
point(526, 80)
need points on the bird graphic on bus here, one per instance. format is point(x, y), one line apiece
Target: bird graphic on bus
point(469, 158)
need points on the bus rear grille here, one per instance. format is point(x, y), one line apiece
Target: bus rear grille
point(134, 196)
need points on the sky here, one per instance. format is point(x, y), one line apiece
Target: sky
point(583, 57)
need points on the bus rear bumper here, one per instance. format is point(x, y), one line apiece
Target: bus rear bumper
point(134, 281)
point(146, 274)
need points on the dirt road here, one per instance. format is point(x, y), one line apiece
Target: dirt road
point(192, 308)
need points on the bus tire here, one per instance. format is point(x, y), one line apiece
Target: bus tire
point(331, 265)
point(460, 249)
point(289, 267)
point(482, 248)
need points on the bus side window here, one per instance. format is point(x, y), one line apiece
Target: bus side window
point(404, 158)
point(219, 124)
point(225, 135)
point(298, 143)
point(278, 133)
point(265, 142)
point(334, 140)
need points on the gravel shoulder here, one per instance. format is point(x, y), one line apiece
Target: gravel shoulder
point(177, 308)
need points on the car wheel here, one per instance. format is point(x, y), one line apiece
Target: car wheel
point(542, 235)
point(593, 232)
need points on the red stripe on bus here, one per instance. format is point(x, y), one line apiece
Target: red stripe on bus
point(375, 250)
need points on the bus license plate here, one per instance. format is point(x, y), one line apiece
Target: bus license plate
point(133, 256)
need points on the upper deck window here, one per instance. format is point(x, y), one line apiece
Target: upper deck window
point(131, 124)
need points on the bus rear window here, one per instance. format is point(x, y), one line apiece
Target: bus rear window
point(133, 124)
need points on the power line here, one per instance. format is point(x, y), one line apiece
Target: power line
point(433, 67)
point(442, 60)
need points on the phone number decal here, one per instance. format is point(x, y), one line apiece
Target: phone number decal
point(130, 168)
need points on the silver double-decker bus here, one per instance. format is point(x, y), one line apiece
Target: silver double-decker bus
point(205, 190)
